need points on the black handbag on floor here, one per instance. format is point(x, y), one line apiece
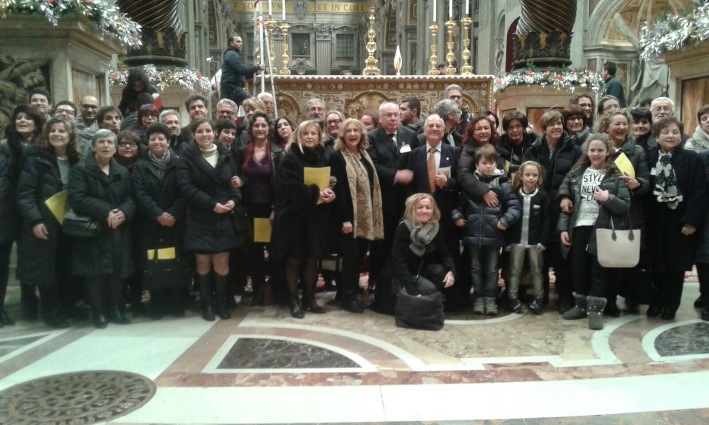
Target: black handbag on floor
point(165, 267)
point(424, 312)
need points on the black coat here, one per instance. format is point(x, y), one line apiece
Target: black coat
point(447, 197)
point(616, 207)
point(514, 153)
point(637, 157)
point(538, 229)
point(558, 165)
point(669, 248)
point(703, 250)
point(388, 160)
point(468, 182)
point(203, 186)
point(94, 194)
point(234, 72)
point(406, 263)
point(154, 196)
point(297, 211)
point(9, 217)
point(40, 179)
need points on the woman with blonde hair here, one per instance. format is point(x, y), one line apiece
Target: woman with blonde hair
point(422, 264)
point(301, 215)
point(358, 209)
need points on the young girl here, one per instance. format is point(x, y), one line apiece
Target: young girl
point(529, 235)
point(597, 191)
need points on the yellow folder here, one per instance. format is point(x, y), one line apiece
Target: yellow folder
point(262, 230)
point(624, 165)
point(57, 204)
point(317, 176)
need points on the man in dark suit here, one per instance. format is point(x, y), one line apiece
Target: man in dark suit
point(389, 147)
point(439, 179)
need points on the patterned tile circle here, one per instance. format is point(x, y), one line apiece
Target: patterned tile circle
point(76, 398)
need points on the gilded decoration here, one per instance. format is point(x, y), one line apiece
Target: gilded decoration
point(355, 94)
point(637, 12)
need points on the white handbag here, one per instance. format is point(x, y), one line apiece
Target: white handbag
point(618, 248)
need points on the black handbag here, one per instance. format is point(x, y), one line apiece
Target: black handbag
point(169, 272)
point(424, 312)
point(80, 226)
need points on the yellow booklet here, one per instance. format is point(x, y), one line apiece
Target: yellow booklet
point(262, 230)
point(163, 253)
point(317, 176)
point(624, 165)
point(57, 204)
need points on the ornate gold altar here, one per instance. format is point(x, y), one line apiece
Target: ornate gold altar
point(355, 94)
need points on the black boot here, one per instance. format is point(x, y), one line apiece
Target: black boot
point(99, 319)
point(295, 310)
point(352, 303)
point(205, 295)
point(705, 313)
point(309, 304)
point(49, 301)
point(116, 316)
point(221, 294)
point(4, 318)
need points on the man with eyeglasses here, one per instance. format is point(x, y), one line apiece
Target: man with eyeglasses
point(226, 110)
point(662, 107)
point(267, 99)
point(65, 110)
point(86, 123)
point(454, 92)
point(333, 121)
point(315, 110)
point(389, 148)
point(171, 119)
point(448, 111)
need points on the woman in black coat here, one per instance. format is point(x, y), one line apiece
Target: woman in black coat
point(161, 212)
point(44, 259)
point(422, 263)
point(678, 209)
point(301, 218)
point(358, 209)
point(99, 188)
point(24, 129)
point(212, 225)
point(8, 228)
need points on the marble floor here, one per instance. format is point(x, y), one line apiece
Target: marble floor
point(262, 366)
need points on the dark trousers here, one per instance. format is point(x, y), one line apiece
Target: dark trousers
point(589, 277)
point(703, 275)
point(553, 258)
point(235, 93)
point(431, 279)
point(256, 266)
point(484, 263)
point(352, 250)
point(5, 251)
point(668, 290)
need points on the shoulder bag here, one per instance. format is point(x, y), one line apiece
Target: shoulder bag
point(165, 268)
point(80, 226)
point(618, 248)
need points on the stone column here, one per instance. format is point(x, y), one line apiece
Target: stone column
point(486, 33)
point(323, 45)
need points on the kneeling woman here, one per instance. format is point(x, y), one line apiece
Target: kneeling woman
point(598, 194)
point(419, 249)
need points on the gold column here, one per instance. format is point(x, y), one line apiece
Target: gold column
point(466, 69)
point(434, 49)
point(271, 25)
point(450, 56)
point(284, 57)
point(371, 67)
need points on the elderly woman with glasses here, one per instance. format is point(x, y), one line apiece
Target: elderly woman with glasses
point(576, 123)
point(99, 187)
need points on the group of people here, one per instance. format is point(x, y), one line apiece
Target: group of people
point(408, 191)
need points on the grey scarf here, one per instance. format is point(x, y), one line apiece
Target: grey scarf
point(421, 236)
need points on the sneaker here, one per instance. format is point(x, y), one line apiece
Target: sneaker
point(491, 307)
point(536, 306)
point(479, 306)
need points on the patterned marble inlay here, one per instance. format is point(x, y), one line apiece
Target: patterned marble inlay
point(684, 340)
point(261, 353)
point(7, 347)
point(76, 398)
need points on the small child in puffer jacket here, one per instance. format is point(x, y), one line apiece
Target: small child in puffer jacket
point(484, 228)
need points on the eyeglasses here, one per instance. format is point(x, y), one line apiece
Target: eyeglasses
point(128, 145)
point(662, 109)
point(391, 115)
point(575, 119)
point(93, 107)
point(454, 97)
point(334, 122)
point(227, 113)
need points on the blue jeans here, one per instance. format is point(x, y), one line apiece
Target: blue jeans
point(484, 262)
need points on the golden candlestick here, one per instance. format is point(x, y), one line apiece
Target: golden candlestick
point(450, 56)
point(371, 67)
point(284, 57)
point(434, 49)
point(466, 69)
point(271, 25)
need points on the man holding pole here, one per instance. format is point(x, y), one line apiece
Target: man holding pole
point(234, 72)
